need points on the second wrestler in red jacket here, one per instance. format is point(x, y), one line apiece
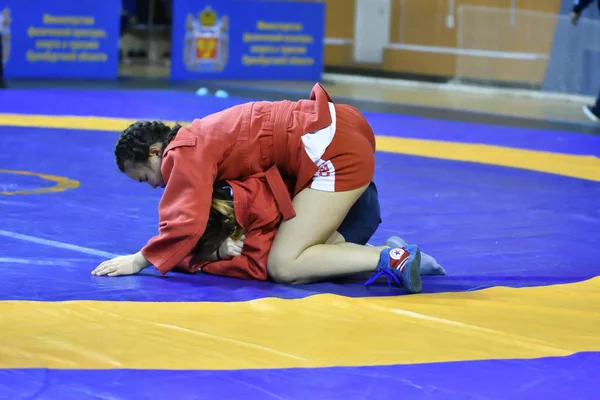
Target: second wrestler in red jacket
point(248, 210)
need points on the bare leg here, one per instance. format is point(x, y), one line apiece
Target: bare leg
point(339, 239)
point(336, 238)
point(299, 253)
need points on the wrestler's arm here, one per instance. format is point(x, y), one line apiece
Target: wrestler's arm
point(183, 213)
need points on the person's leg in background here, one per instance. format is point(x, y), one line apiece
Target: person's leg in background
point(593, 112)
point(2, 83)
point(362, 222)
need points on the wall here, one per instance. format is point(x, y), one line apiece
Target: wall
point(421, 42)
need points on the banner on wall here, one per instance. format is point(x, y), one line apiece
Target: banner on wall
point(60, 38)
point(247, 39)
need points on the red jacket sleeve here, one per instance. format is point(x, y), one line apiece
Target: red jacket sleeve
point(251, 265)
point(184, 206)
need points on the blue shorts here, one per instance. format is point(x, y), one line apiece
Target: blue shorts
point(363, 219)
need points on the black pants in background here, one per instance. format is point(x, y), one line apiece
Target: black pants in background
point(2, 85)
point(1, 64)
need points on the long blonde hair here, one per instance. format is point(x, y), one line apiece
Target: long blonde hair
point(225, 208)
point(221, 223)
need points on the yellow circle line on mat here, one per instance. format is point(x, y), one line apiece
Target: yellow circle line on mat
point(60, 183)
point(317, 331)
point(574, 166)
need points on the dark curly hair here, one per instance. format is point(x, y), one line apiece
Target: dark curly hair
point(135, 141)
point(221, 224)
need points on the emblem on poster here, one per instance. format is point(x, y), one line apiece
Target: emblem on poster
point(206, 41)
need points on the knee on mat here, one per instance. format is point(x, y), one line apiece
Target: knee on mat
point(281, 270)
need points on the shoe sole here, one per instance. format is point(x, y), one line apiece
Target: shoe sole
point(411, 277)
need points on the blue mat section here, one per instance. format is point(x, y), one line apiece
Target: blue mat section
point(486, 225)
point(171, 105)
point(546, 378)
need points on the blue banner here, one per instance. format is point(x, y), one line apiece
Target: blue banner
point(247, 39)
point(60, 38)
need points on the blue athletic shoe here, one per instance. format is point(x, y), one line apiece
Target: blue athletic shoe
point(400, 265)
point(429, 265)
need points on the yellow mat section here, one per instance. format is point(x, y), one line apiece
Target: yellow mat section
point(318, 331)
point(584, 167)
point(574, 166)
point(66, 122)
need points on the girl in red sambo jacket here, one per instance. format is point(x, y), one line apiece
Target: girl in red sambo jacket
point(328, 150)
point(244, 219)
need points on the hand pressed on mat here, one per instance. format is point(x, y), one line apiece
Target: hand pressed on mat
point(123, 265)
